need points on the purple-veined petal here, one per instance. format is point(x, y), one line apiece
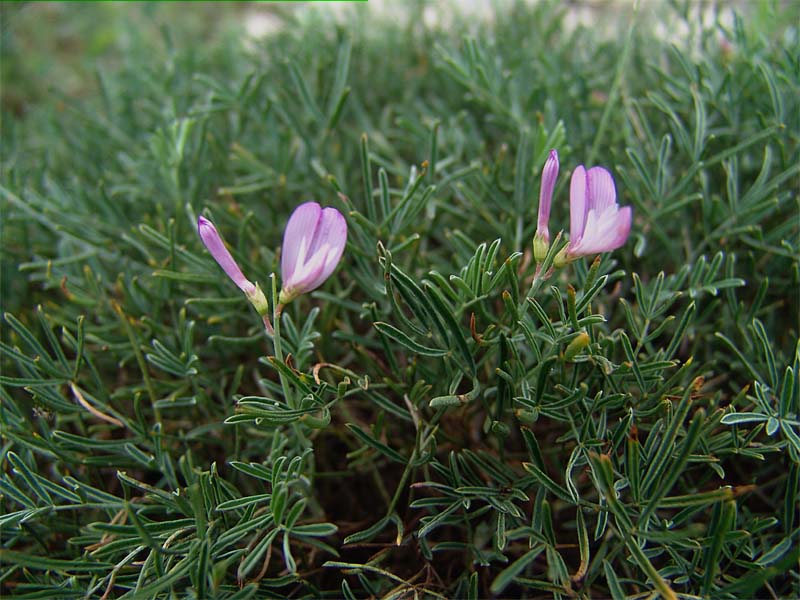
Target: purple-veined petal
point(329, 243)
point(578, 205)
point(298, 238)
point(331, 231)
point(600, 189)
point(549, 176)
point(336, 236)
point(213, 241)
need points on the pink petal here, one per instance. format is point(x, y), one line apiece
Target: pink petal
point(298, 237)
point(337, 238)
point(605, 231)
point(600, 187)
point(213, 241)
point(313, 245)
point(578, 205)
point(309, 275)
point(549, 176)
point(331, 231)
point(328, 245)
point(623, 227)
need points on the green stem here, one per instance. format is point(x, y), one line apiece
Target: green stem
point(535, 284)
point(405, 476)
point(401, 485)
point(543, 272)
point(277, 308)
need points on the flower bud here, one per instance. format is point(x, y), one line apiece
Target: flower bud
point(549, 176)
point(540, 247)
point(577, 344)
point(216, 246)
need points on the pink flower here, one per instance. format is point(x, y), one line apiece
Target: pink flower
point(597, 223)
point(313, 243)
point(541, 240)
point(213, 241)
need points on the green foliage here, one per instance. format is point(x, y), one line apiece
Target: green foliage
point(440, 418)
